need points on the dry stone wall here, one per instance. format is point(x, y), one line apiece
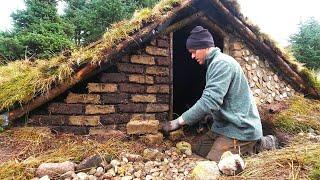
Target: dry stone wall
point(266, 84)
point(137, 90)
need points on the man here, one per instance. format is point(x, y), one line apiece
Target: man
point(226, 98)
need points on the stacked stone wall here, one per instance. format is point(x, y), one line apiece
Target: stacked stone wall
point(266, 83)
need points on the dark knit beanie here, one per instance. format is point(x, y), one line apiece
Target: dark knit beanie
point(199, 38)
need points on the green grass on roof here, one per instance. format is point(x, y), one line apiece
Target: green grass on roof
point(21, 81)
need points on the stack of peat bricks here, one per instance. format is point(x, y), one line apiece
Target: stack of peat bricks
point(133, 96)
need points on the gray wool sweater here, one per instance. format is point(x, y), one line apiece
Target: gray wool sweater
point(228, 94)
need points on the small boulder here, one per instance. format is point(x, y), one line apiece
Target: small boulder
point(54, 169)
point(89, 162)
point(231, 164)
point(206, 170)
point(152, 154)
point(184, 148)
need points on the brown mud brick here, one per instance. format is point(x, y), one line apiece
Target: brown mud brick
point(162, 80)
point(142, 79)
point(143, 127)
point(153, 138)
point(132, 88)
point(73, 98)
point(143, 117)
point(84, 120)
point(143, 59)
point(100, 109)
point(157, 51)
point(157, 107)
point(176, 135)
point(102, 87)
point(125, 58)
point(162, 116)
point(130, 68)
point(48, 120)
point(62, 108)
point(163, 43)
point(163, 98)
point(114, 98)
point(131, 107)
point(113, 77)
point(143, 98)
point(160, 71)
point(118, 118)
point(158, 89)
point(162, 61)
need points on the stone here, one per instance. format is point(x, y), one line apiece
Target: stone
point(184, 147)
point(152, 154)
point(157, 51)
point(126, 178)
point(100, 109)
point(153, 138)
point(206, 170)
point(130, 68)
point(99, 172)
point(84, 120)
point(89, 162)
point(73, 98)
point(141, 79)
point(143, 98)
point(53, 169)
point(142, 59)
point(92, 177)
point(82, 176)
point(248, 67)
point(102, 88)
point(176, 135)
point(276, 78)
point(45, 178)
point(69, 174)
point(236, 46)
point(143, 127)
point(231, 164)
point(132, 157)
point(132, 88)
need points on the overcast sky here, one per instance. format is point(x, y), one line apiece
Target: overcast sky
point(278, 18)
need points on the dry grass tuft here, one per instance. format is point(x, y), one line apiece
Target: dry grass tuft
point(38, 145)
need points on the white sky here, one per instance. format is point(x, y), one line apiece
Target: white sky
point(278, 18)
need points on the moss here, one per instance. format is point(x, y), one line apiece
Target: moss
point(301, 115)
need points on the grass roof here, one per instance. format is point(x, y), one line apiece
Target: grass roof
point(21, 81)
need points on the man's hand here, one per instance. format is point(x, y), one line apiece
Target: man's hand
point(173, 125)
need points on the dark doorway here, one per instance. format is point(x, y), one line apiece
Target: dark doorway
point(188, 75)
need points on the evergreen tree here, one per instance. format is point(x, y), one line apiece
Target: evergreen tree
point(305, 44)
point(91, 18)
point(38, 32)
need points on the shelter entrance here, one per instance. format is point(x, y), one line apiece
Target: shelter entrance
point(188, 75)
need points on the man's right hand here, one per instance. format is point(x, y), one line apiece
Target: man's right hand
point(173, 125)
